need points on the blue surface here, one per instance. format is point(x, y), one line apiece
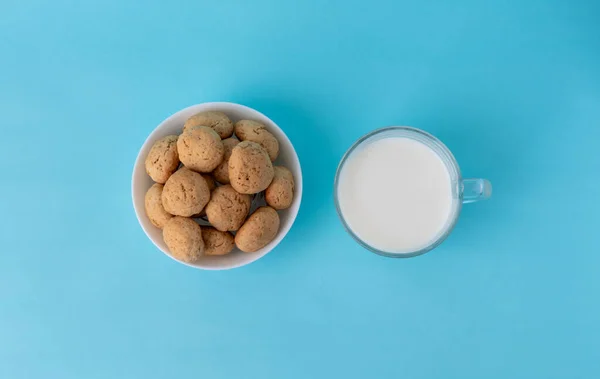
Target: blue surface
point(512, 87)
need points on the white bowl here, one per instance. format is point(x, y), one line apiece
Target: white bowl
point(141, 182)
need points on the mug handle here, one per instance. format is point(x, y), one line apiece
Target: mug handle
point(475, 190)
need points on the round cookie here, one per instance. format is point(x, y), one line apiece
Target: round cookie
point(210, 181)
point(200, 149)
point(163, 159)
point(249, 130)
point(185, 193)
point(154, 208)
point(211, 186)
point(218, 121)
point(221, 173)
point(250, 169)
point(280, 193)
point(184, 239)
point(260, 229)
point(227, 209)
point(217, 242)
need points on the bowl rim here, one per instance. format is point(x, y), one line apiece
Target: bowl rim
point(217, 106)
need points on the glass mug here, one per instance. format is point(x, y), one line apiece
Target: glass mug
point(463, 190)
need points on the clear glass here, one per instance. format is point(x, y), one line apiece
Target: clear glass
point(463, 190)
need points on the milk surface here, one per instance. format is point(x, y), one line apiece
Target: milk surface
point(395, 194)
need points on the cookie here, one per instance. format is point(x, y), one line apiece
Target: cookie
point(185, 193)
point(258, 230)
point(184, 239)
point(250, 168)
point(200, 149)
point(227, 209)
point(211, 186)
point(217, 242)
point(280, 193)
point(163, 159)
point(210, 181)
point(221, 173)
point(249, 130)
point(218, 121)
point(154, 208)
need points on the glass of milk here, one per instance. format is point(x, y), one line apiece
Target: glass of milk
point(399, 191)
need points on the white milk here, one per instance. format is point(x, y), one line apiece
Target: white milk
point(395, 194)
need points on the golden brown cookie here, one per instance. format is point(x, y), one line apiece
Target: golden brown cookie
point(217, 242)
point(163, 159)
point(221, 173)
point(184, 239)
point(211, 186)
point(210, 181)
point(154, 208)
point(249, 130)
point(218, 121)
point(200, 149)
point(227, 209)
point(185, 193)
point(250, 169)
point(280, 193)
point(258, 230)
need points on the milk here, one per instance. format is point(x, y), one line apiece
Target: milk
point(395, 194)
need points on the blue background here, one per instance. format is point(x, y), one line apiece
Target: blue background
point(512, 87)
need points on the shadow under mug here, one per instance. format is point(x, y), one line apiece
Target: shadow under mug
point(463, 190)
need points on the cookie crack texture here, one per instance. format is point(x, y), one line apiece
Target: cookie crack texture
point(183, 191)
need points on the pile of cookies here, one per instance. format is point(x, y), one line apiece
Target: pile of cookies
point(206, 173)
